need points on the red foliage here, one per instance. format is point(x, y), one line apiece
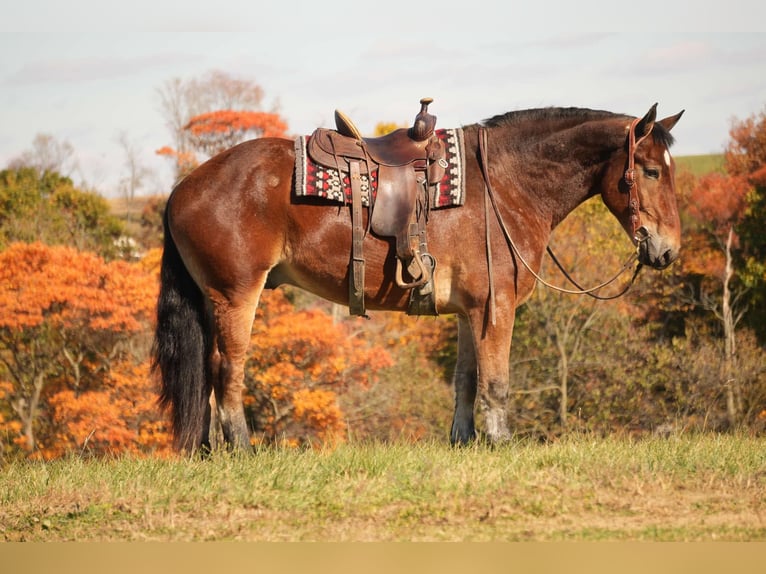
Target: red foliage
point(719, 200)
point(716, 205)
point(746, 153)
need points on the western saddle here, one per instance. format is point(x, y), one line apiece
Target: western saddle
point(405, 164)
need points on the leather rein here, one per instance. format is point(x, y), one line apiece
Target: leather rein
point(639, 232)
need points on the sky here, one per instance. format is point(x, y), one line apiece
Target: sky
point(87, 71)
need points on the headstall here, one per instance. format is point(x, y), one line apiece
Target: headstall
point(634, 204)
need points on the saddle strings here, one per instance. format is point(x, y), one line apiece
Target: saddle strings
point(580, 290)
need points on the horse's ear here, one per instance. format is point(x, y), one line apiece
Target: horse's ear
point(644, 127)
point(671, 121)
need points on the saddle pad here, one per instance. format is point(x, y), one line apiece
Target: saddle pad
point(313, 180)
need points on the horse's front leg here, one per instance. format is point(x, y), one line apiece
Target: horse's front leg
point(493, 347)
point(463, 427)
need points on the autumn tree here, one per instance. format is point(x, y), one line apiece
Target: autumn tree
point(746, 158)
point(213, 132)
point(208, 114)
point(300, 360)
point(136, 174)
point(47, 207)
point(722, 265)
point(47, 154)
point(216, 90)
point(383, 128)
point(66, 319)
point(412, 399)
point(719, 206)
point(556, 330)
point(119, 415)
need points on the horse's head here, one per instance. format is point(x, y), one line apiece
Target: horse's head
point(639, 189)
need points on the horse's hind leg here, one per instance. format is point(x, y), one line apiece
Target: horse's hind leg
point(233, 320)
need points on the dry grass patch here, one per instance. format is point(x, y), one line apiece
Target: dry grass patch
point(581, 488)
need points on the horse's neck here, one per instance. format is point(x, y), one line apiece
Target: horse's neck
point(561, 170)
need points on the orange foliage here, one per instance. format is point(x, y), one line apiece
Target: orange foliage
point(300, 360)
point(701, 257)
point(71, 289)
point(68, 320)
point(120, 416)
point(212, 132)
point(185, 161)
point(318, 409)
point(151, 261)
point(216, 131)
point(265, 124)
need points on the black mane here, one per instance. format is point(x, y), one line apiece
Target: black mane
point(548, 114)
point(576, 115)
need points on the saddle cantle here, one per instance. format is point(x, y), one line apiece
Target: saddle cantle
point(406, 164)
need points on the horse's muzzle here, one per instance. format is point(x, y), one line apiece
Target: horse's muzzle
point(655, 250)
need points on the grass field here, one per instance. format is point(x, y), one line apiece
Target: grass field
point(700, 165)
point(683, 488)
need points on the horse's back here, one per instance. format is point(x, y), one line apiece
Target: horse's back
point(236, 174)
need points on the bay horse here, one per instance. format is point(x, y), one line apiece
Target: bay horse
point(233, 227)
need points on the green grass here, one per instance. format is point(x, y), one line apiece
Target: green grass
point(700, 165)
point(582, 488)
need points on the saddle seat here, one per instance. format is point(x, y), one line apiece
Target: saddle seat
point(407, 162)
point(400, 147)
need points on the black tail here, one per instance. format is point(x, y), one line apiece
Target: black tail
point(180, 348)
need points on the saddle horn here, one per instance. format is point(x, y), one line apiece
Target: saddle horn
point(423, 127)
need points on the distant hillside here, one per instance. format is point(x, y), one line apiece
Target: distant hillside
point(125, 209)
point(701, 164)
point(130, 213)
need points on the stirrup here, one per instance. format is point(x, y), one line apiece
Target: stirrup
point(425, 273)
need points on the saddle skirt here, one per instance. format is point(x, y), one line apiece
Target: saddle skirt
point(314, 179)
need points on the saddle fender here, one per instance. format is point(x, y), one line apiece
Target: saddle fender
point(394, 201)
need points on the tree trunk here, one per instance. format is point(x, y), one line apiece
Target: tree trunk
point(29, 414)
point(731, 386)
point(561, 340)
point(563, 388)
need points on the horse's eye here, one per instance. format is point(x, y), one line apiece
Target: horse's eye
point(652, 172)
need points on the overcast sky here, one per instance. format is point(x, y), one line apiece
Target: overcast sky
point(70, 69)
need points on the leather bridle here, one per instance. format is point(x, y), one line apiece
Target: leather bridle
point(639, 232)
point(634, 204)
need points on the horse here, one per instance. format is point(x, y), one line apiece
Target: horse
point(233, 227)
